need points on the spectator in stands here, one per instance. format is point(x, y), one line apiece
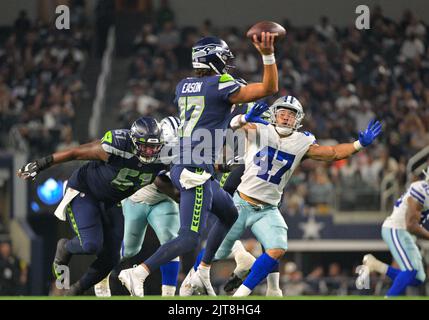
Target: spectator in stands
point(325, 29)
point(164, 13)
point(320, 191)
point(13, 273)
point(336, 281)
point(314, 279)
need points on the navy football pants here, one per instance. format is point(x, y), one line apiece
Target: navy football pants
point(99, 229)
point(195, 205)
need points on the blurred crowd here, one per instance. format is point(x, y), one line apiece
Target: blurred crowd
point(343, 77)
point(41, 83)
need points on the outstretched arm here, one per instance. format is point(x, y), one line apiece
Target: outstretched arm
point(88, 151)
point(246, 121)
point(331, 153)
point(412, 219)
point(270, 80)
point(345, 150)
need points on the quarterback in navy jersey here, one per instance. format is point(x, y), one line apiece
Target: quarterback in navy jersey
point(121, 163)
point(204, 102)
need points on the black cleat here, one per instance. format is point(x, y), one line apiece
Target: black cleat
point(233, 283)
point(62, 257)
point(75, 290)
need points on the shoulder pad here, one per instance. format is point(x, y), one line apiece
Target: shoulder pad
point(108, 137)
point(226, 78)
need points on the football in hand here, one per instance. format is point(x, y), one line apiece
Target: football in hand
point(266, 26)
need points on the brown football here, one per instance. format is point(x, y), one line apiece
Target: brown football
point(266, 26)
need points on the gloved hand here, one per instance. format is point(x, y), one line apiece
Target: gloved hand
point(32, 169)
point(254, 115)
point(372, 131)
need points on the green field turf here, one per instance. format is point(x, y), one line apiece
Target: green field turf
point(226, 298)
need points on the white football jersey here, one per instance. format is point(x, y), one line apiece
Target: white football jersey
point(419, 191)
point(270, 161)
point(149, 195)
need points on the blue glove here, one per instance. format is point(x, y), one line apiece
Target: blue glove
point(372, 131)
point(254, 115)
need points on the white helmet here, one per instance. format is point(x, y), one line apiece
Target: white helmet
point(426, 174)
point(291, 103)
point(170, 130)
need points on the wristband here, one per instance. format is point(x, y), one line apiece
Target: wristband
point(238, 121)
point(358, 146)
point(45, 162)
point(269, 59)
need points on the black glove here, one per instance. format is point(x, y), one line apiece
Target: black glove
point(31, 170)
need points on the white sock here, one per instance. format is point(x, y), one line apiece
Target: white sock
point(238, 246)
point(273, 280)
point(168, 290)
point(141, 272)
point(243, 260)
point(204, 271)
point(242, 291)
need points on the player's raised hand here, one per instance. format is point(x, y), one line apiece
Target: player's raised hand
point(254, 115)
point(372, 131)
point(32, 169)
point(29, 171)
point(266, 45)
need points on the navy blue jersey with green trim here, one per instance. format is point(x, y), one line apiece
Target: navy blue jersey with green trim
point(205, 111)
point(119, 177)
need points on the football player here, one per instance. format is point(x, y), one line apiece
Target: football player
point(121, 163)
point(229, 182)
point(411, 210)
point(205, 103)
point(270, 159)
point(150, 206)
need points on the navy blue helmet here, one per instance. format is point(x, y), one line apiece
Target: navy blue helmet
point(146, 134)
point(211, 53)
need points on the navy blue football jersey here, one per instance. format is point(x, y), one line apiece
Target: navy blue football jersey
point(119, 177)
point(205, 111)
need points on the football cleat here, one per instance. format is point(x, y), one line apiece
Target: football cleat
point(233, 282)
point(75, 290)
point(186, 288)
point(274, 293)
point(102, 289)
point(374, 264)
point(201, 285)
point(62, 257)
point(133, 283)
